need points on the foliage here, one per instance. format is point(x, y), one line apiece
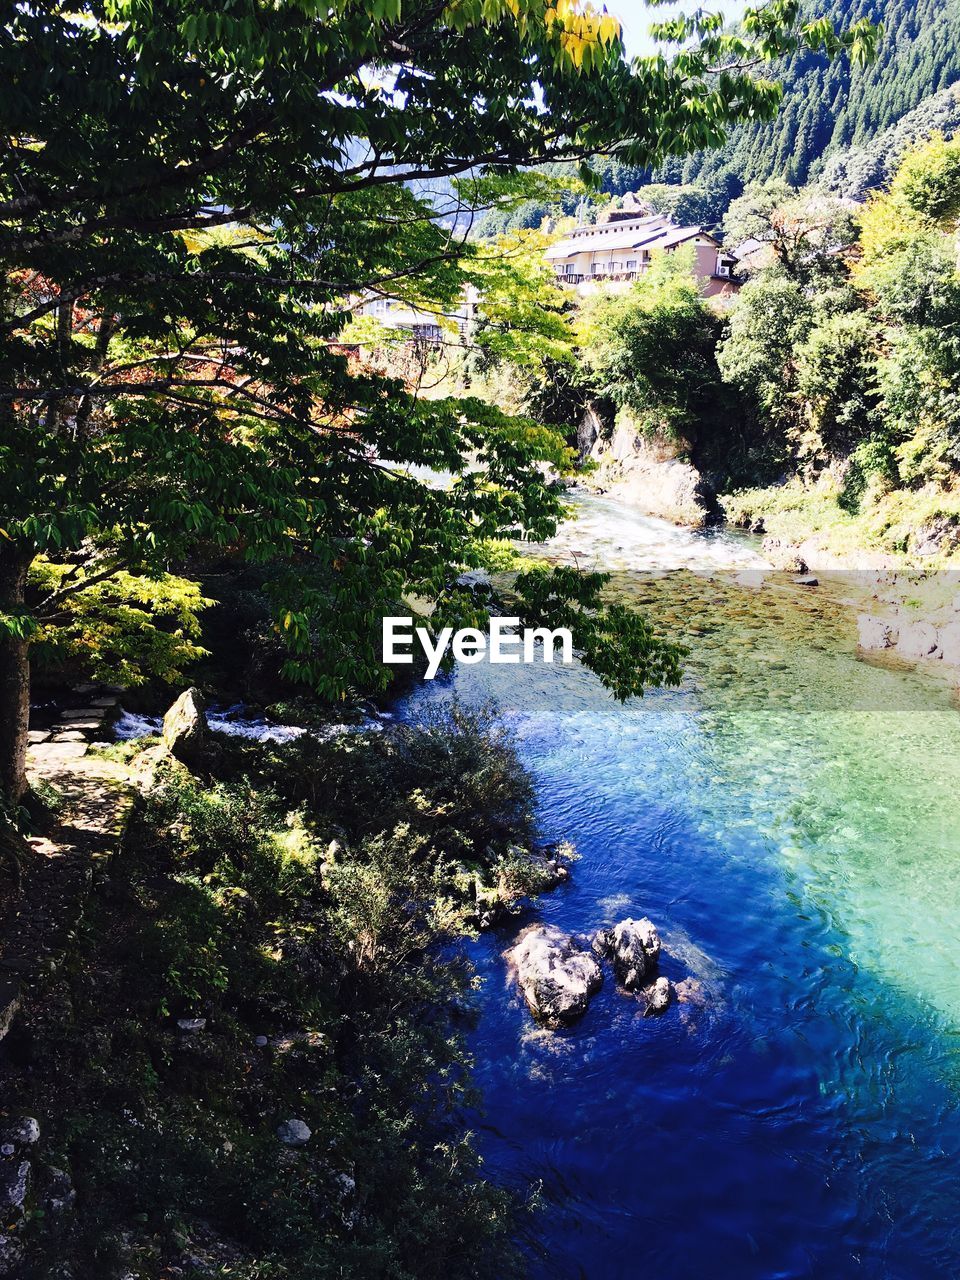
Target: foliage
point(652, 348)
point(836, 382)
point(124, 629)
point(619, 645)
point(861, 379)
point(522, 313)
point(801, 230)
point(885, 519)
point(302, 913)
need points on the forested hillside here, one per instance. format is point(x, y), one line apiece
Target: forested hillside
point(857, 170)
point(831, 107)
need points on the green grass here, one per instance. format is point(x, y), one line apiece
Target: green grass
point(886, 522)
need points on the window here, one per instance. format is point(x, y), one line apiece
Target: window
point(631, 264)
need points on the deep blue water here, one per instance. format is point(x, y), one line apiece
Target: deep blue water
point(790, 819)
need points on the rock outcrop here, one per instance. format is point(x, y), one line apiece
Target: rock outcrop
point(555, 974)
point(186, 734)
point(936, 637)
point(649, 474)
point(633, 949)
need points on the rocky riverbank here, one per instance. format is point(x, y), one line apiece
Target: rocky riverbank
point(652, 475)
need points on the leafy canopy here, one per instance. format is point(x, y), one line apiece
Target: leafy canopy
point(193, 193)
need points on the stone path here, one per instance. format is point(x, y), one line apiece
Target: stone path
point(95, 801)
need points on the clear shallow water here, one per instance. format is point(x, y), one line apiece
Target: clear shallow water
point(791, 820)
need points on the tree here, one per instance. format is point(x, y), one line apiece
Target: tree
point(190, 194)
point(836, 381)
point(801, 230)
point(769, 321)
point(652, 350)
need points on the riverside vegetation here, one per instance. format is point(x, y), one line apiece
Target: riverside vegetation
point(253, 1063)
point(820, 406)
point(192, 199)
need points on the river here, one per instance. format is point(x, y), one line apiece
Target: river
point(790, 819)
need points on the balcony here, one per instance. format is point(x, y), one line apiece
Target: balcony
point(575, 278)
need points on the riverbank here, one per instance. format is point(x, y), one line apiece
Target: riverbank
point(252, 1058)
point(896, 562)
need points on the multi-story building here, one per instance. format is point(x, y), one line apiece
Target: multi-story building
point(622, 249)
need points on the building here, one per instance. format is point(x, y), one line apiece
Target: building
point(622, 249)
point(421, 326)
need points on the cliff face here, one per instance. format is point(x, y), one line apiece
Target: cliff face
point(649, 474)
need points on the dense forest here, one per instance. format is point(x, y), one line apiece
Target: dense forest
point(832, 107)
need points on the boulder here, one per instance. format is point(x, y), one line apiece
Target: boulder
point(633, 948)
point(658, 996)
point(186, 734)
point(14, 1181)
point(917, 640)
point(875, 633)
point(556, 976)
point(25, 1131)
point(948, 640)
point(784, 555)
point(294, 1133)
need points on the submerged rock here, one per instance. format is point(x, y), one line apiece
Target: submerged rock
point(185, 732)
point(294, 1133)
point(633, 948)
point(691, 991)
point(556, 976)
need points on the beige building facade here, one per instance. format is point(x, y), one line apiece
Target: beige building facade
point(615, 253)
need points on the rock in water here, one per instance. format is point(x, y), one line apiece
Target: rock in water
point(557, 977)
point(185, 731)
point(691, 991)
point(294, 1133)
point(14, 1181)
point(633, 948)
point(658, 996)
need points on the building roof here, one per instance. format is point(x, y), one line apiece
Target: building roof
point(653, 230)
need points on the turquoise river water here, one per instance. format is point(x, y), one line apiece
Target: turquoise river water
point(790, 819)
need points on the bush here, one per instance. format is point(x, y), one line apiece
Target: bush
point(311, 899)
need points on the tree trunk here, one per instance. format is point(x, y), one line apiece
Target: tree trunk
point(14, 676)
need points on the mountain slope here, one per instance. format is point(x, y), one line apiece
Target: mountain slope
point(831, 107)
point(854, 172)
